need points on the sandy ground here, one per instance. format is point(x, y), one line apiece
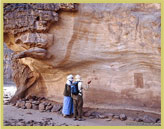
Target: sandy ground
point(11, 112)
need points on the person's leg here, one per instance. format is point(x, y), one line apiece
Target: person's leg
point(72, 110)
point(80, 107)
point(75, 108)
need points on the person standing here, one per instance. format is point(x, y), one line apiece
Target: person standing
point(68, 101)
point(78, 98)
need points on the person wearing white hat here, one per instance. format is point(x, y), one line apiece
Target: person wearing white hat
point(78, 99)
point(68, 101)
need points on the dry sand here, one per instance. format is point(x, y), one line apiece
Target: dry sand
point(11, 112)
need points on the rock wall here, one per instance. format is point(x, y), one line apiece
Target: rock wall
point(7, 64)
point(116, 46)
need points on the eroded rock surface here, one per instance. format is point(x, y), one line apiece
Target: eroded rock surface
point(7, 72)
point(117, 46)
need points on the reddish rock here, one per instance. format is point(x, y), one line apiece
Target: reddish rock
point(35, 107)
point(41, 107)
point(48, 108)
point(56, 108)
point(22, 104)
point(18, 104)
point(28, 105)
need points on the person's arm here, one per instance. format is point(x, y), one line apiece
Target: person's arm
point(87, 86)
point(80, 87)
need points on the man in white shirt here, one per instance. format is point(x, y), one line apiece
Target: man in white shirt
point(78, 99)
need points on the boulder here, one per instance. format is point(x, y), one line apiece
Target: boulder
point(41, 107)
point(28, 105)
point(102, 116)
point(56, 108)
point(123, 117)
point(109, 119)
point(158, 121)
point(18, 104)
point(22, 104)
point(149, 119)
point(130, 118)
point(139, 119)
point(87, 113)
point(116, 117)
point(92, 117)
point(36, 102)
point(35, 107)
point(110, 115)
point(95, 114)
point(48, 108)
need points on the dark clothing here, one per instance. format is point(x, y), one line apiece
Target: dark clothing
point(77, 105)
point(74, 88)
point(67, 90)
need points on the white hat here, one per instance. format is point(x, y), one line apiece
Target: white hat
point(78, 78)
point(70, 77)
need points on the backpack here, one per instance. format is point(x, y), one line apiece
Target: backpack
point(74, 88)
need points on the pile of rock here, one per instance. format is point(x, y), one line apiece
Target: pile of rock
point(108, 116)
point(38, 103)
point(148, 119)
point(44, 105)
point(22, 122)
point(122, 117)
point(6, 99)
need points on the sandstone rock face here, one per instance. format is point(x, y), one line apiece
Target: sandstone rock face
point(31, 17)
point(116, 46)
